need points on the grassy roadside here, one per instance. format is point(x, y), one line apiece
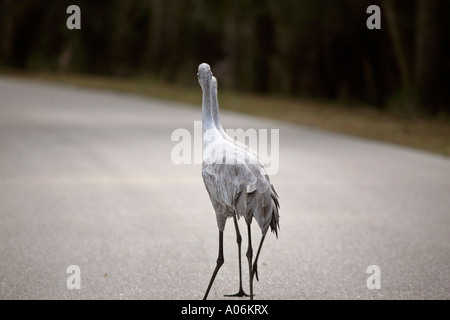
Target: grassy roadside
point(430, 134)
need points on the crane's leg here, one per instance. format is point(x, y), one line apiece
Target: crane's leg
point(249, 258)
point(219, 263)
point(255, 264)
point(241, 292)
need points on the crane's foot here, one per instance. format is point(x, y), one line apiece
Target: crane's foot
point(241, 293)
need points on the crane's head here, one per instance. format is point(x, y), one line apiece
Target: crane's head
point(204, 74)
point(214, 84)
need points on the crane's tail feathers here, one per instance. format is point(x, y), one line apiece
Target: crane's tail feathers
point(274, 223)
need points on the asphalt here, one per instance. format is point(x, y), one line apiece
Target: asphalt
point(87, 179)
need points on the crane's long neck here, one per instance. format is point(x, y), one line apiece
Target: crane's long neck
point(215, 109)
point(207, 118)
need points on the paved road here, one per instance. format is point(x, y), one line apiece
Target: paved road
point(86, 179)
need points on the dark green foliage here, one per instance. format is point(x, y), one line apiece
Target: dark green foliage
point(311, 48)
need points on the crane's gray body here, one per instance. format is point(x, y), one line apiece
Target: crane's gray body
point(236, 181)
point(240, 189)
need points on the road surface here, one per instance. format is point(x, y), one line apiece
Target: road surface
point(87, 179)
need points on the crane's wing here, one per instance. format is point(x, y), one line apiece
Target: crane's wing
point(243, 189)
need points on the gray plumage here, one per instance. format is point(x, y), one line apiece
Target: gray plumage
point(236, 181)
point(242, 188)
point(216, 118)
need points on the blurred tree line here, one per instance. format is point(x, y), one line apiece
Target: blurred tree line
point(309, 48)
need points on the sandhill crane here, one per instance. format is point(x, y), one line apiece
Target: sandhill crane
point(236, 181)
point(218, 125)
